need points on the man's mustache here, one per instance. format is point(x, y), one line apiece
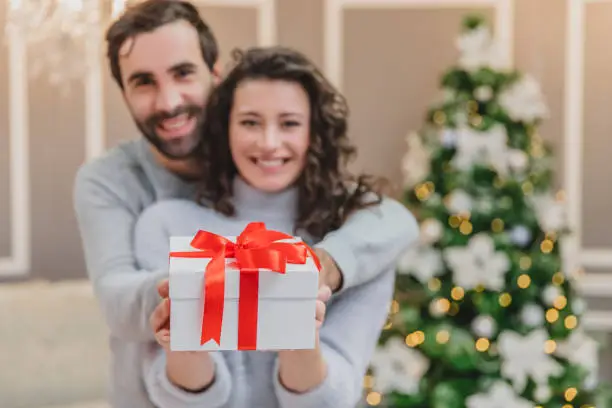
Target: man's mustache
point(155, 119)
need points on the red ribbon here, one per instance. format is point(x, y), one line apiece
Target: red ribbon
point(255, 248)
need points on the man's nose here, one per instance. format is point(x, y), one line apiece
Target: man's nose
point(168, 99)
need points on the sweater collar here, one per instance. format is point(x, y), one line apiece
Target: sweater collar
point(250, 201)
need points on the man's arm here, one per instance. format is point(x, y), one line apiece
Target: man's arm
point(127, 294)
point(369, 243)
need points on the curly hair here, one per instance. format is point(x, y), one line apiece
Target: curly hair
point(327, 192)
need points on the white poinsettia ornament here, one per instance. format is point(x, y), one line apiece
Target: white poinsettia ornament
point(582, 350)
point(458, 201)
point(397, 367)
point(478, 49)
point(431, 231)
point(500, 395)
point(478, 263)
point(550, 213)
point(421, 261)
point(482, 147)
point(416, 162)
point(523, 100)
point(525, 357)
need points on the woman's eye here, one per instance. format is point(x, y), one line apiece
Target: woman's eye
point(248, 123)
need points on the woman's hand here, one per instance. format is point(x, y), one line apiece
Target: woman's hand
point(192, 371)
point(303, 370)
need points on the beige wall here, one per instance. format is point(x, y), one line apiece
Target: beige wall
point(392, 62)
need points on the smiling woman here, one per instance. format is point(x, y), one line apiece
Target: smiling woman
point(277, 122)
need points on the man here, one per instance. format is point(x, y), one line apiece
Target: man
point(163, 57)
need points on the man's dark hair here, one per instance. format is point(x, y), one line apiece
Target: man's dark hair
point(328, 193)
point(149, 15)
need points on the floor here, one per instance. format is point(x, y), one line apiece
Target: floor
point(54, 351)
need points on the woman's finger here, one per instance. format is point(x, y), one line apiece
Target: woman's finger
point(163, 288)
point(320, 311)
point(163, 338)
point(324, 293)
point(160, 316)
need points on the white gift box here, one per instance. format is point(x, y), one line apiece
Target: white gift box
point(286, 303)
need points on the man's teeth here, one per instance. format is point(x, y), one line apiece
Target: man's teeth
point(175, 122)
point(270, 163)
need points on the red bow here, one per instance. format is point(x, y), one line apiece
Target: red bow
point(255, 248)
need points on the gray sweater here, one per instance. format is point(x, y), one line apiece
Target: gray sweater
point(109, 196)
point(249, 379)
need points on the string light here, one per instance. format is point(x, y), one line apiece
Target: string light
point(454, 221)
point(523, 281)
point(443, 336)
point(457, 293)
point(525, 263)
point(482, 344)
point(571, 322)
point(414, 339)
point(454, 309)
point(550, 346)
point(443, 305)
point(374, 398)
point(368, 381)
point(527, 188)
point(558, 279)
point(560, 302)
point(465, 228)
point(388, 325)
point(497, 225)
point(552, 315)
point(547, 246)
point(505, 299)
point(434, 284)
point(479, 288)
point(424, 191)
point(476, 120)
point(570, 394)
point(439, 117)
point(395, 306)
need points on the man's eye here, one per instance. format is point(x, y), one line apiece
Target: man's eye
point(182, 73)
point(144, 81)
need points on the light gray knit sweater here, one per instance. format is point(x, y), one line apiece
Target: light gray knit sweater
point(249, 379)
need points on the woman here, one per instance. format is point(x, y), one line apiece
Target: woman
point(274, 150)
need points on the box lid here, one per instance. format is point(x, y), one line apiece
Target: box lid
point(300, 281)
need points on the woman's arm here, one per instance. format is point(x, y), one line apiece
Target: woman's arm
point(185, 379)
point(175, 379)
point(348, 339)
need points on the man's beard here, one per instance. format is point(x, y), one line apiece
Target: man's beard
point(174, 150)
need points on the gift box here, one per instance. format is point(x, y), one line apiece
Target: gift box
point(256, 291)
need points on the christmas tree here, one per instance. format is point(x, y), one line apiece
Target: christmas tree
point(485, 314)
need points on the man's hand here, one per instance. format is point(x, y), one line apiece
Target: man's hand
point(330, 274)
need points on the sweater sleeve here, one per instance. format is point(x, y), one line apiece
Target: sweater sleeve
point(348, 339)
point(127, 294)
point(370, 241)
point(164, 394)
